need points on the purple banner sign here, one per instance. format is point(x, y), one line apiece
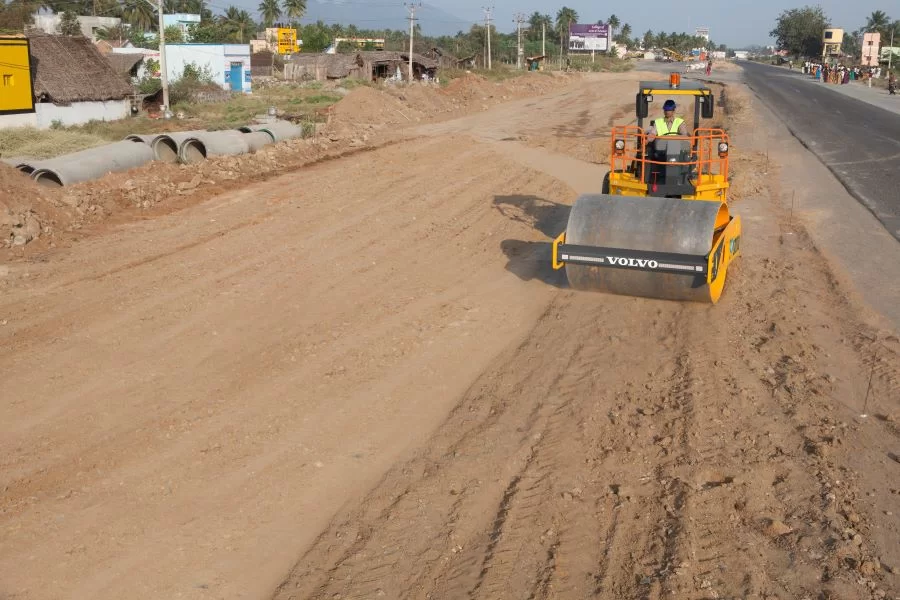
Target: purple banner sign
point(587, 31)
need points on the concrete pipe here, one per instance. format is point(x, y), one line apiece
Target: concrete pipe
point(257, 139)
point(280, 130)
point(29, 167)
point(166, 146)
point(207, 144)
point(137, 137)
point(92, 163)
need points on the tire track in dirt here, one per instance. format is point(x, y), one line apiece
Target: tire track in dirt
point(645, 449)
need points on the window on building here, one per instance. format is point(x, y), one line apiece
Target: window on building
point(828, 35)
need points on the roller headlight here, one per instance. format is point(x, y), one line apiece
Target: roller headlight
point(723, 148)
point(620, 144)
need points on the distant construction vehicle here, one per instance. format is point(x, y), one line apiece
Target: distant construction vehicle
point(660, 227)
point(676, 56)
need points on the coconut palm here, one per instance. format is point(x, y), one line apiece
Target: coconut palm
point(536, 24)
point(613, 22)
point(238, 22)
point(565, 17)
point(649, 39)
point(140, 14)
point(294, 9)
point(625, 33)
point(112, 33)
point(878, 21)
point(269, 11)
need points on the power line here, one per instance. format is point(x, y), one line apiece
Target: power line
point(518, 20)
point(488, 20)
point(412, 19)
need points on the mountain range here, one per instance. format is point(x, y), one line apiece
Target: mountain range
point(383, 15)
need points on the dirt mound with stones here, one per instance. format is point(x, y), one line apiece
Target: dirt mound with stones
point(28, 211)
point(364, 118)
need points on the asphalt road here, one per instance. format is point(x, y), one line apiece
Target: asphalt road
point(858, 142)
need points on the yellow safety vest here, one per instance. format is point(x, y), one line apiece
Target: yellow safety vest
point(663, 129)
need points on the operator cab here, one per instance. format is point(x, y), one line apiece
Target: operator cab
point(669, 158)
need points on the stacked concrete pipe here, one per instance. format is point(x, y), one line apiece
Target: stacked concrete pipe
point(166, 146)
point(93, 163)
point(205, 144)
point(256, 140)
point(279, 130)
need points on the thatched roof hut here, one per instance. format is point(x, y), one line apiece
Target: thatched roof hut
point(71, 69)
point(361, 65)
point(125, 64)
point(387, 56)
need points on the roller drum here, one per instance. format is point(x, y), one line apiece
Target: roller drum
point(648, 224)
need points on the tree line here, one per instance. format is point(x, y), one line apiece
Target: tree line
point(799, 31)
point(235, 25)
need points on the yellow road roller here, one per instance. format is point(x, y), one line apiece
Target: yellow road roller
point(660, 228)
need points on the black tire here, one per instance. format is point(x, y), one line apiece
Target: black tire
point(605, 188)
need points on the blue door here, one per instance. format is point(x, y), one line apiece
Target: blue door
point(236, 76)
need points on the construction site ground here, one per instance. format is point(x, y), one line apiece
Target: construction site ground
point(343, 368)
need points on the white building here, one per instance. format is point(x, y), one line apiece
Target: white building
point(183, 21)
point(229, 64)
point(89, 25)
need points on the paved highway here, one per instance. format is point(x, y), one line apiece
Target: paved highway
point(858, 142)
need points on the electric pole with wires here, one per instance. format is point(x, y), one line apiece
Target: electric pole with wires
point(518, 20)
point(488, 21)
point(163, 75)
point(412, 6)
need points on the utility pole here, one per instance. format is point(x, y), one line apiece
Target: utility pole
point(163, 75)
point(891, 54)
point(488, 21)
point(412, 19)
point(520, 18)
point(543, 38)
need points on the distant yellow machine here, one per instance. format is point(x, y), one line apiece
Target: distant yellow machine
point(660, 227)
point(16, 87)
point(676, 56)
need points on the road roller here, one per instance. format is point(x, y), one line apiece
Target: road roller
point(660, 228)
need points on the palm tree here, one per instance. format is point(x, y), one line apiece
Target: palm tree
point(564, 18)
point(878, 21)
point(624, 33)
point(238, 22)
point(613, 22)
point(270, 11)
point(536, 23)
point(114, 33)
point(140, 14)
point(648, 39)
point(294, 9)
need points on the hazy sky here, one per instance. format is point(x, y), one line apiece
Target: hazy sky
point(736, 23)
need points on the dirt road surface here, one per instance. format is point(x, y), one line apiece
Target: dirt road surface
point(361, 379)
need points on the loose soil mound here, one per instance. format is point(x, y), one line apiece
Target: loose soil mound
point(26, 210)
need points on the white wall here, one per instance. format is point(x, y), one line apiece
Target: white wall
point(89, 24)
point(76, 114)
point(218, 57)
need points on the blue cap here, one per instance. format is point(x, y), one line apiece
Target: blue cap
point(669, 105)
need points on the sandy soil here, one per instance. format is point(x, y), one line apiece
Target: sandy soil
point(360, 379)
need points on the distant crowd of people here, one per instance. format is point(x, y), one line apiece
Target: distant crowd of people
point(840, 74)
